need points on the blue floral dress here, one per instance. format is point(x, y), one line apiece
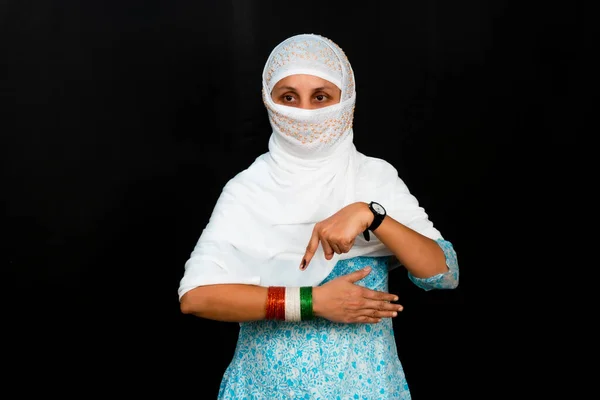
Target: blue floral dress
point(320, 359)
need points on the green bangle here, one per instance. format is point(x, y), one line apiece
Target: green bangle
point(306, 305)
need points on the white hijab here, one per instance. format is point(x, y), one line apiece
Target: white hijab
point(264, 217)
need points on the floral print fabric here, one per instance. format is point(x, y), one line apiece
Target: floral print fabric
point(320, 359)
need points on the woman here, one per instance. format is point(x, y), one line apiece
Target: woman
point(299, 246)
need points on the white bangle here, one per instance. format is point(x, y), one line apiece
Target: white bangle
point(292, 304)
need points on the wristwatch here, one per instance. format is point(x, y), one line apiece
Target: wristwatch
point(379, 214)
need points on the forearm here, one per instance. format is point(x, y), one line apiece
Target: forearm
point(420, 255)
point(226, 302)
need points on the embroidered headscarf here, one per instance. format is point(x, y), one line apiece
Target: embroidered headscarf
point(264, 217)
point(310, 134)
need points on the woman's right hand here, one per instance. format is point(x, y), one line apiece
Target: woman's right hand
point(342, 300)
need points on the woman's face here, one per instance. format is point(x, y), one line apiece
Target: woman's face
point(305, 91)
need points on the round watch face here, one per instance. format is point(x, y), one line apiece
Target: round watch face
point(378, 208)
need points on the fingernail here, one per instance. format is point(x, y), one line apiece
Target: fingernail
point(395, 298)
point(367, 268)
point(400, 308)
point(303, 264)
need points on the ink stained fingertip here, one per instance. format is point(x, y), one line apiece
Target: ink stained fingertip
point(303, 265)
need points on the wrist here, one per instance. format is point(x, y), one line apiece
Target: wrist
point(367, 215)
point(378, 215)
point(315, 301)
point(292, 303)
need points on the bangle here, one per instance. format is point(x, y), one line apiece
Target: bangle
point(290, 304)
point(275, 308)
point(306, 304)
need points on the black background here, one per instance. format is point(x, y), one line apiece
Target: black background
point(121, 122)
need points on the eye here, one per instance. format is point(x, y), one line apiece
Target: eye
point(321, 97)
point(288, 98)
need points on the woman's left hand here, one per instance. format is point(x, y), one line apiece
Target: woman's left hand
point(338, 232)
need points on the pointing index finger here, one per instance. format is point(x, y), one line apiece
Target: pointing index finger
point(313, 244)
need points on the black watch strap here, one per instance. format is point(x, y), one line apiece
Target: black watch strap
point(377, 220)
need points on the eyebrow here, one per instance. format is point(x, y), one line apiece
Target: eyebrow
point(294, 89)
point(285, 88)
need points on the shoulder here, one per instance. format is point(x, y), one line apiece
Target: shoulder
point(251, 175)
point(373, 166)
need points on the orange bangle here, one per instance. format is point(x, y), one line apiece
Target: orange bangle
point(275, 308)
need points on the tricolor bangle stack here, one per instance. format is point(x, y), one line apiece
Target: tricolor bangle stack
point(289, 303)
